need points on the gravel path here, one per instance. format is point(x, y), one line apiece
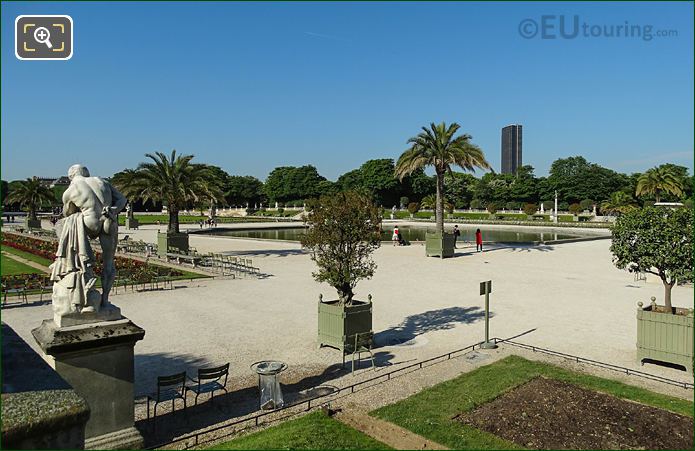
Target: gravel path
point(569, 296)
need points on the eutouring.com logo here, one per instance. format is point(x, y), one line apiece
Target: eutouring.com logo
point(572, 27)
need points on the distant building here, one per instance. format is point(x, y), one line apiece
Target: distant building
point(511, 149)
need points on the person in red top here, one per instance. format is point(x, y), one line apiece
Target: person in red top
point(478, 241)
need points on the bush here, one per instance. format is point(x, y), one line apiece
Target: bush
point(548, 205)
point(281, 210)
point(688, 203)
point(512, 205)
point(413, 207)
point(530, 209)
point(491, 208)
point(404, 201)
point(563, 206)
point(587, 204)
point(476, 204)
point(575, 208)
point(343, 231)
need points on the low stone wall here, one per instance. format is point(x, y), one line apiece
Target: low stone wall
point(39, 409)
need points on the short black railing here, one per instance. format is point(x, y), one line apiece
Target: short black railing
point(194, 439)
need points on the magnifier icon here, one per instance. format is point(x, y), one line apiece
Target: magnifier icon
point(42, 36)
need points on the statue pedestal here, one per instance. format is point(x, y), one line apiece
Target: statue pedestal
point(96, 359)
point(131, 223)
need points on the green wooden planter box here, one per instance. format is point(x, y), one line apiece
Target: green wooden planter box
point(32, 223)
point(171, 242)
point(665, 337)
point(339, 324)
point(438, 245)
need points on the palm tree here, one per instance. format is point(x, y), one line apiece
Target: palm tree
point(659, 180)
point(430, 201)
point(174, 181)
point(619, 203)
point(31, 194)
point(436, 146)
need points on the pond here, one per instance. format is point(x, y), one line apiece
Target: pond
point(409, 233)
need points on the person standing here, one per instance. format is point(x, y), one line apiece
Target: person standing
point(457, 234)
point(395, 238)
point(478, 241)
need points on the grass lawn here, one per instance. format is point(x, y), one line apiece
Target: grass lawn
point(27, 255)
point(11, 267)
point(429, 413)
point(313, 431)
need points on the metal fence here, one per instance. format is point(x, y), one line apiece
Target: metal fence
point(197, 438)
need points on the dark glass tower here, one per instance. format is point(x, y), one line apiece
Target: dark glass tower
point(511, 149)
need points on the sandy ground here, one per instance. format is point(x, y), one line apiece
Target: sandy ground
point(568, 297)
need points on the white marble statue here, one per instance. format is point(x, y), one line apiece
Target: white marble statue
point(90, 209)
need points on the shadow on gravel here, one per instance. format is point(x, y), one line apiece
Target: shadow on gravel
point(266, 252)
point(421, 323)
point(242, 399)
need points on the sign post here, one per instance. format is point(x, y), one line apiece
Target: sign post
point(486, 289)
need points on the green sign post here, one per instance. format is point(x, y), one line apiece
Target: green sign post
point(486, 289)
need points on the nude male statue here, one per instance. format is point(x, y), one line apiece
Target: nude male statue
point(99, 202)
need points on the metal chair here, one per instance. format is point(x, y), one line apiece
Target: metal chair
point(363, 343)
point(169, 388)
point(209, 381)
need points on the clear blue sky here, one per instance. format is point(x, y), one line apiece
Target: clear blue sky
point(252, 86)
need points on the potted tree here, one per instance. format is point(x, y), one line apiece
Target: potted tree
point(436, 146)
point(175, 182)
point(413, 208)
point(342, 232)
point(30, 194)
point(660, 242)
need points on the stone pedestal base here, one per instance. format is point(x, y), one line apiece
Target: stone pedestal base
point(131, 223)
point(110, 313)
point(129, 438)
point(97, 361)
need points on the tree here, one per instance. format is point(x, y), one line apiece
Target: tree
point(530, 209)
point(173, 180)
point(350, 181)
point(4, 186)
point(619, 203)
point(657, 241)
point(575, 179)
point(491, 208)
point(430, 202)
point(575, 208)
point(659, 180)
point(30, 194)
point(524, 186)
point(242, 190)
point(587, 204)
point(287, 183)
point(343, 231)
point(377, 177)
point(413, 208)
point(460, 188)
point(436, 146)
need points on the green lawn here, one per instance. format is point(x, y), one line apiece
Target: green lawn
point(27, 256)
point(313, 431)
point(429, 413)
point(11, 267)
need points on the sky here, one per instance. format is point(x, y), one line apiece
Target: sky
point(253, 86)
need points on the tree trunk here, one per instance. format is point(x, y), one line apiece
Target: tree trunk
point(32, 213)
point(173, 221)
point(439, 210)
point(667, 295)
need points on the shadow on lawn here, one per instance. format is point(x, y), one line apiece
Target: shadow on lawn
point(421, 323)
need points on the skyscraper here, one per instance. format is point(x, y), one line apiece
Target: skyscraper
point(511, 148)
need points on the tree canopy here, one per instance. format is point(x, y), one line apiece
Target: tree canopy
point(655, 240)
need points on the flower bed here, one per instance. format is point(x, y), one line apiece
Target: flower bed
point(127, 268)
